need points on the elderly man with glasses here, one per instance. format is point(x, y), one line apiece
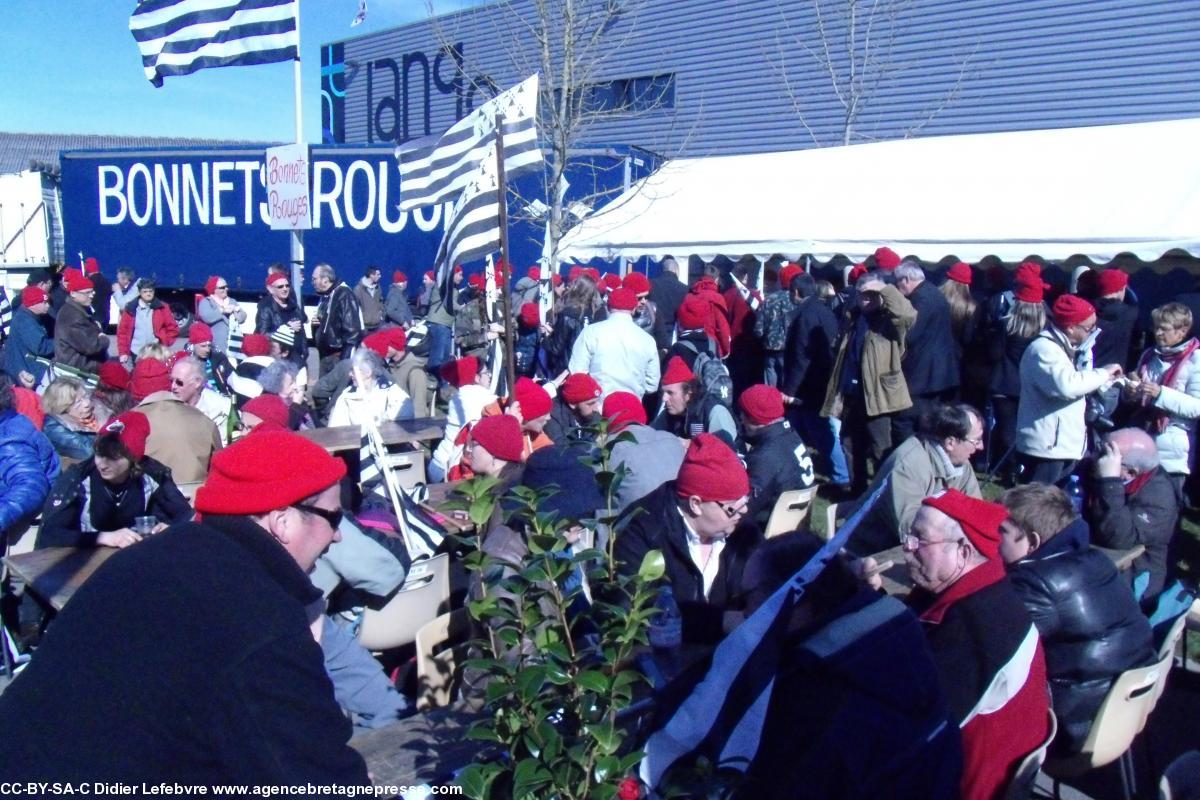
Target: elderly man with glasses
point(697, 522)
point(1056, 377)
point(78, 339)
point(280, 307)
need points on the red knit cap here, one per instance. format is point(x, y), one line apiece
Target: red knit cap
point(761, 404)
point(1028, 272)
point(91, 266)
point(133, 429)
point(637, 283)
point(534, 273)
point(677, 372)
point(114, 374)
point(75, 282)
point(429, 275)
point(380, 341)
point(711, 471)
point(959, 273)
point(622, 299)
point(210, 285)
point(399, 277)
point(575, 272)
point(149, 376)
point(980, 520)
point(693, 312)
point(534, 400)
point(1070, 310)
point(886, 259)
point(1112, 281)
point(556, 280)
point(276, 277)
point(530, 315)
point(460, 372)
point(580, 387)
point(856, 272)
point(623, 409)
point(199, 333)
point(786, 275)
point(501, 436)
point(1030, 293)
point(458, 269)
point(256, 344)
point(610, 281)
point(476, 282)
point(592, 273)
point(268, 408)
point(267, 471)
point(32, 295)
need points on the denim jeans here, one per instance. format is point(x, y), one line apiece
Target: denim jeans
point(441, 343)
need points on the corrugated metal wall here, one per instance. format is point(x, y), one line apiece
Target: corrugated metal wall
point(746, 79)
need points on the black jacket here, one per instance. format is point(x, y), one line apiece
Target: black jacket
point(341, 321)
point(184, 659)
point(1148, 517)
point(1004, 352)
point(1091, 627)
point(808, 356)
point(777, 462)
point(154, 493)
point(563, 425)
point(930, 359)
point(654, 523)
point(1117, 321)
point(271, 315)
point(667, 293)
point(103, 297)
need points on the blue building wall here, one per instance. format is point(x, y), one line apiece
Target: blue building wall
point(954, 66)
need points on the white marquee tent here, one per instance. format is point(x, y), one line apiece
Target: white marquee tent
point(1094, 191)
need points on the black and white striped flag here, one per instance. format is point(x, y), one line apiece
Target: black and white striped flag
point(179, 37)
point(426, 533)
point(473, 229)
point(438, 172)
point(722, 719)
point(6, 313)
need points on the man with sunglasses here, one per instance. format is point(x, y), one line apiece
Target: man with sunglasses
point(191, 658)
point(698, 522)
point(1051, 413)
point(280, 308)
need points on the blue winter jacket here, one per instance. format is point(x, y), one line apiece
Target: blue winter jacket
point(28, 466)
point(27, 339)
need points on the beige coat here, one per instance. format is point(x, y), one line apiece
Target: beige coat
point(181, 437)
point(884, 388)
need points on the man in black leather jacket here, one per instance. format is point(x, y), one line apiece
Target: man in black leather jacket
point(280, 307)
point(338, 323)
point(1090, 624)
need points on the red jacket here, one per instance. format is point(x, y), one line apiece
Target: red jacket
point(165, 329)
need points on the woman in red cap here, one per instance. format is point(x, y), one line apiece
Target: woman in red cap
point(1006, 342)
point(97, 502)
point(493, 446)
point(581, 305)
point(219, 312)
point(472, 382)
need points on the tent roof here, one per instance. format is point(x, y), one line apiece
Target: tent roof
point(1094, 191)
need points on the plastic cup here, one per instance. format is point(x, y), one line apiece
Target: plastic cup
point(144, 526)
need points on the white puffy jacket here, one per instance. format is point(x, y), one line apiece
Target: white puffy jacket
point(1183, 406)
point(1050, 413)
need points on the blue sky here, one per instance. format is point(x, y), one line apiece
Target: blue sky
point(71, 66)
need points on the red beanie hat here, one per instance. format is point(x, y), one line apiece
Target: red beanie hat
point(75, 281)
point(256, 344)
point(1030, 293)
point(592, 273)
point(399, 277)
point(210, 285)
point(267, 471)
point(460, 372)
point(610, 281)
point(90, 266)
point(32, 295)
point(380, 341)
point(149, 376)
point(132, 429)
point(534, 400)
point(458, 268)
point(637, 283)
point(693, 313)
point(761, 404)
point(268, 408)
point(786, 275)
point(429, 275)
point(574, 273)
point(1070, 310)
point(501, 436)
point(199, 333)
point(980, 520)
point(622, 299)
point(711, 471)
point(960, 273)
point(856, 272)
point(476, 282)
point(276, 277)
point(556, 279)
point(1027, 272)
point(534, 273)
point(886, 259)
point(623, 409)
point(1112, 281)
point(580, 387)
point(530, 315)
point(677, 372)
point(114, 374)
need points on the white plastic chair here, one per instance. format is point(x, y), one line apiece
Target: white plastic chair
point(441, 648)
point(418, 601)
point(790, 511)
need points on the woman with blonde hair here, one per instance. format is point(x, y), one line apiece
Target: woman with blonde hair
point(1013, 333)
point(72, 418)
point(581, 305)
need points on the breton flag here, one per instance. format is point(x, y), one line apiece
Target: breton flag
point(178, 37)
point(438, 172)
point(473, 229)
point(421, 532)
point(723, 717)
point(6, 313)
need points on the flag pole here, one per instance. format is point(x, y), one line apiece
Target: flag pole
point(506, 297)
point(297, 237)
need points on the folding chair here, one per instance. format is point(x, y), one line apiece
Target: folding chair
point(408, 467)
point(830, 520)
point(790, 511)
point(418, 601)
point(441, 649)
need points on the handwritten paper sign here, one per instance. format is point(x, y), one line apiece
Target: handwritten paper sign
point(287, 187)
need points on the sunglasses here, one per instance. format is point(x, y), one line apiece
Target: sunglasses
point(334, 518)
point(222, 286)
point(178, 382)
point(279, 286)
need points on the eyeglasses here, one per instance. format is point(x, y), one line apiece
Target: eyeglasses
point(910, 542)
point(278, 286)
point(1087, 329)
point(334, 517)
point(222, 286)
point(973, 442)
point(730, 510)
point(178, 382)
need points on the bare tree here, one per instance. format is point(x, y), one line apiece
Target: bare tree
point(853, 43)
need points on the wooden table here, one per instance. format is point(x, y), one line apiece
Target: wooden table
point(897, 582)
point(425, 748)
point(55, 573)
point(409, 431)
point(439, 493)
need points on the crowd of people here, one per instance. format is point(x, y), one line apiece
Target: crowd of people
point(723, 399)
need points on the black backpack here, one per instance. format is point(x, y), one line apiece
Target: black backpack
point(712, 374)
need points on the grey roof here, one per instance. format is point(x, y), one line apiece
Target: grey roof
point(17, 150)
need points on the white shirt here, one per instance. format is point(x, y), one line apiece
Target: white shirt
point(353, 407)
point(618, 354)
point(216, 407)
point(465, 408)
point(710, 568)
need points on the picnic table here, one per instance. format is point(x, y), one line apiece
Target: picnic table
point(55, 573)
point(425, 748)
point(897, 582)
point(344, 438)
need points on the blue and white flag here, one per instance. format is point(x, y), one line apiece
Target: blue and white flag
point(179, 37)
point(6, 313)
point(722, 719)
point(438, 172)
